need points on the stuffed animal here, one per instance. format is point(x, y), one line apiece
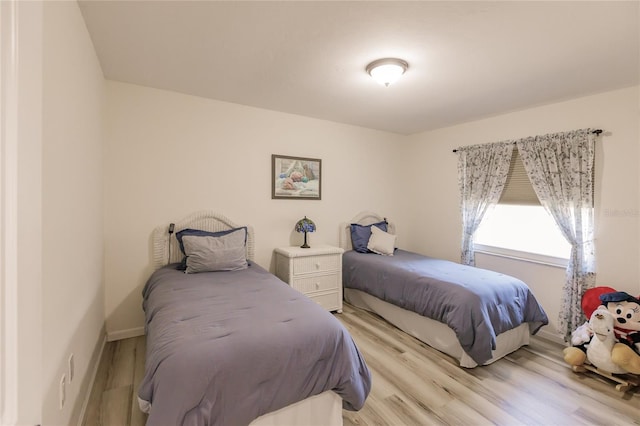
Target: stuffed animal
point(624, 311)
point(576, 354)
point(604, 339)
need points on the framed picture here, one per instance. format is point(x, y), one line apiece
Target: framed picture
point(295, 177)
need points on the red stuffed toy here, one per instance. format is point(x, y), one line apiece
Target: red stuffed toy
point(591, 299)
point(625, 310)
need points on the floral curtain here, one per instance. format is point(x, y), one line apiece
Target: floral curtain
point(560, 167)
point(482, 174)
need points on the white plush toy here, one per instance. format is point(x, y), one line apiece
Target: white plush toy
point(581, 335)
point(599, 349)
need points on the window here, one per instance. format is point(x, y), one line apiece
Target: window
point(519, 223)
point(528, 229)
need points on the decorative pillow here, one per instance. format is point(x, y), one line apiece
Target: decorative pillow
point(381, 242)
point(211, 253)
point(200, 233)
point(360, 235)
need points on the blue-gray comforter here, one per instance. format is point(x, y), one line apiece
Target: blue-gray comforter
point(224, 348)
point(476, 303)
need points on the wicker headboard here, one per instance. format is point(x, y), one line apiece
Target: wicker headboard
point(362, 218)
point(205, 220)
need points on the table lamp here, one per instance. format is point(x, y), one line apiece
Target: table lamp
point(305, 225)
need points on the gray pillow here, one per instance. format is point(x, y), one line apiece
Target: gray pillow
point(209, 254)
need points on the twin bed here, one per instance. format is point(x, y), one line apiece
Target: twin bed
point(474, 315)
point(234, 345)
point(229, 343)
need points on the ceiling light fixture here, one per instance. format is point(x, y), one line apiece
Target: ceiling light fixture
point(387, 71)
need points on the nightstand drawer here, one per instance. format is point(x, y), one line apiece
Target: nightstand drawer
point(306, 265)
point(316, 283)
point(330, 301)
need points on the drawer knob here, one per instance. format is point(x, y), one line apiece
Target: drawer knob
point(317, 285)
point(318, 265)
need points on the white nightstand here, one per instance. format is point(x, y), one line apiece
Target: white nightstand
point(315, 271)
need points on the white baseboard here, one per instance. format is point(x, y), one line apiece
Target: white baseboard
point(125, 334)
point(94, 373)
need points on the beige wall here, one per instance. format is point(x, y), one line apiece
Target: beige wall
point(168, 154)
point(432, 165)
point(72, 209)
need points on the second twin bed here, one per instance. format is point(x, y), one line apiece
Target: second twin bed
point(472, 314)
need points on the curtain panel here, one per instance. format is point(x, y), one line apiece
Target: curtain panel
point(560, 168)
point(482, 174)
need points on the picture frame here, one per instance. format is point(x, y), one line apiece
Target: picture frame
point(296, 178)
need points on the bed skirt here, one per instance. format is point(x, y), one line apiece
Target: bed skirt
point(434, 333)
point(324, 409)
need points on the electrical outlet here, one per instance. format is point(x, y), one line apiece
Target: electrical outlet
point(62, 390)
point(71, 368)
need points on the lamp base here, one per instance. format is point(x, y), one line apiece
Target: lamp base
point(305, 245)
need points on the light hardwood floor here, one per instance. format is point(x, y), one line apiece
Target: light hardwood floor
point(414, 384)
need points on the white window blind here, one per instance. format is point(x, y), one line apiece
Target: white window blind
point(518, 189)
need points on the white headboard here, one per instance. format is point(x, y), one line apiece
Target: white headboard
point(205, 220)
point(363, 218)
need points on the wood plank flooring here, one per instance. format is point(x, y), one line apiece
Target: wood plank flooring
point(113, 400)
point(414, 384)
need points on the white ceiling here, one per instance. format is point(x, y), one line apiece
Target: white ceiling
point(467, 60)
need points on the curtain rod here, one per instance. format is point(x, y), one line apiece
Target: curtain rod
point(596, 132)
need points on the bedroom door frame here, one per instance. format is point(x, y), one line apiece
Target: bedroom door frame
point(8, 215)
point(21, 98)
point(8, 382)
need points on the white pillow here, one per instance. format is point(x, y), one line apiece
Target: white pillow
point(381, 242)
